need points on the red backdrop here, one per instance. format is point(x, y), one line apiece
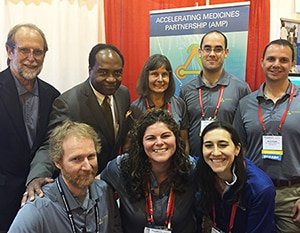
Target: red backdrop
point(127, 26)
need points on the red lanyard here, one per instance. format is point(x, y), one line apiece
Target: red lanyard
point(149, 206)
point(149, 109)
point(217, 105)
point(261, 120)
point(232, 216)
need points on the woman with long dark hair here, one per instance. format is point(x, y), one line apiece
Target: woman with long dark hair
point(154, 181)
point(235, 194)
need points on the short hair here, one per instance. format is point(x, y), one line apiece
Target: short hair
point(99, 47)
point(11, 35)
point(67, 128)
point(154, 62)
point(214, 31)
point(11, 42)
point(281, 42)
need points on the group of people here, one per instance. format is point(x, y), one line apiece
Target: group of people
point(217, 158)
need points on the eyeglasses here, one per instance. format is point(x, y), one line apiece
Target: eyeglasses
point(217, 49)
point(37, 53)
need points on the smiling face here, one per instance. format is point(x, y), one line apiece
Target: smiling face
point(78, 165)
point(158, 80)
point(26, 65)
point(277, 63)
point(106, 75)
point(219, 151)
point(213, 61)
point(159, 143)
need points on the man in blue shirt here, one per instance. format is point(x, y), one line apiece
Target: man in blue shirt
point(75, 202)
point(214, 93)
point(268, 123)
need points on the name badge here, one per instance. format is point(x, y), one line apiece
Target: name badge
point(204, 123)
point(272, 147)
point(216, 230)
point(152, 230)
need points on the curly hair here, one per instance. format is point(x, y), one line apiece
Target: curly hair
point(136, 166)
point(205, 177)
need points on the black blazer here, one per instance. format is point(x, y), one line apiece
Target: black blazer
point(15, 152)
point(80, 104)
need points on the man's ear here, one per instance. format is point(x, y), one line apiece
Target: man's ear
point(57, 164)
point(9, 52)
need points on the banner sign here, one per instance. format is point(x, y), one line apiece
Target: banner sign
point(176, 33)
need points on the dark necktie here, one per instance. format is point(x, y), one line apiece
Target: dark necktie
point(108, 115)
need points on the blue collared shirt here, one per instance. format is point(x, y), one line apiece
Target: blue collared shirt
point(48, 214)
point(30, 106)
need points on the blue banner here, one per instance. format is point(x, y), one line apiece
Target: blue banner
point(176, 33)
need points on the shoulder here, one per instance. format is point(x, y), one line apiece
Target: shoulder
point(77, 90)
point(297, 91)
point(138, 102)
point(5, 73)
point(100, 185)
point(177, 100)
point(116, 162)
point(190, 84)
point(73, 96)
point(122, 96)
point(123, 90)
point(112, 171)
point(48, 87)
point(39, 204)
point(258, 180)
point(6, 78)
point(237, 81)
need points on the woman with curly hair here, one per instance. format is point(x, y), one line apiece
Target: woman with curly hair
point(235, 194)
point(154, 180)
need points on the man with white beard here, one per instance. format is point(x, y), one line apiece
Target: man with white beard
point(25, 104)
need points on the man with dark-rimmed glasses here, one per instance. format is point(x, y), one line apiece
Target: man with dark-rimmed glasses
point(214, 93)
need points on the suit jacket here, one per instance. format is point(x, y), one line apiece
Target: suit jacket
point(15, 152)
point(80, 104)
